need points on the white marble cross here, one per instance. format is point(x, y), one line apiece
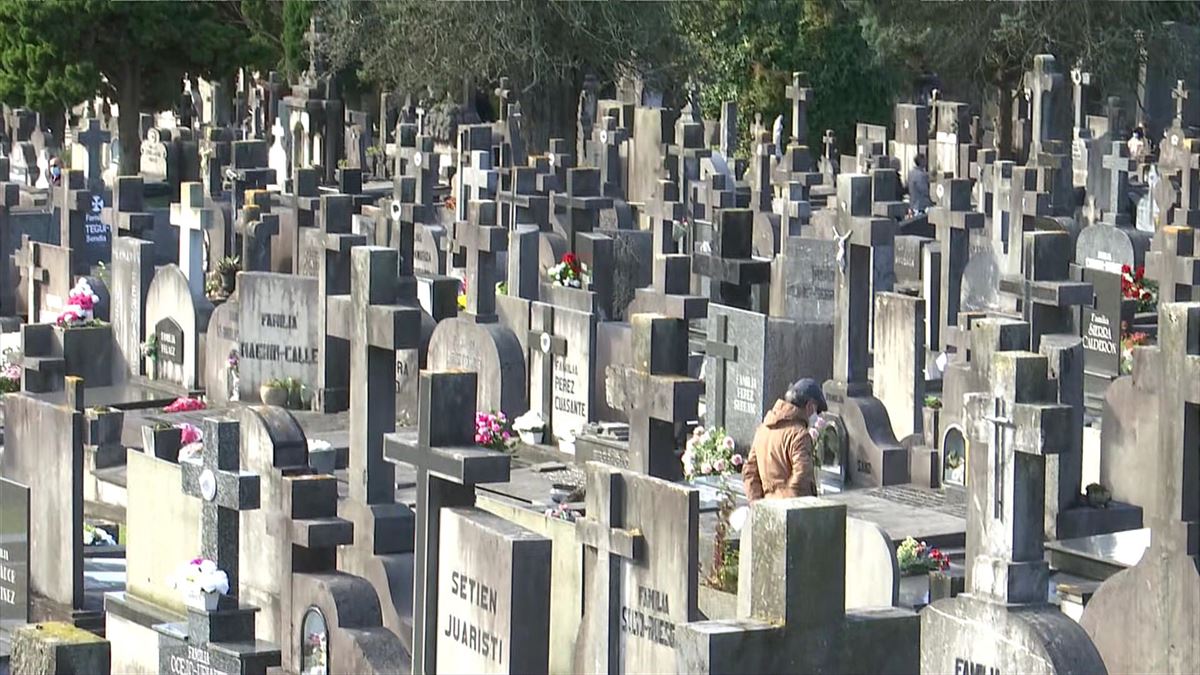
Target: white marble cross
point(193, 220)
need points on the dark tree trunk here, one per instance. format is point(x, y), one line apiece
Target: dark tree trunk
point(129, 99)
point(1004, 125)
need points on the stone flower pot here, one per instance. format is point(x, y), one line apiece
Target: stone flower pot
point(277, 396)
point(532, 436)
point(205, 601)
point(228, 282)
point(162, 443)
point(103, 426)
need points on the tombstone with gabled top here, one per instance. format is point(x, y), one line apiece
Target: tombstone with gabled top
point(449, 467)
point(223, 638)
point(1145, 617)
point(1004, 622)
point(477, 340)
point(791, 608)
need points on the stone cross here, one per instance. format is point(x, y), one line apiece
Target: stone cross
point(607, 151)
point(670, 291)
point(1080, 78)
point(711, 197)
point(525, 205)
point(476, 178)
point(656, 393)
point(542, 341)
point(449, 465)
point(718, 348)
point(793, 208)
point(829, 161)
point(791, 604)
point(505, 94)
point(92, 136)
point(423, 166)
point(376, 326)
point(665, 209)
point(954, 220)
point(728, 134)
point(731, 266)
point(560, 160)
point(29, 260)
point(1119, 165)
point(478, 181)
point(583, 203)
point(1181, 95)
point(1174, 262)
point(858, 234)
point(482, 238)
point(1015, 428)
point(257, 228)
point(194, 220)
point(129, 215)
point(800, 94)
point(225, 491)
point(74, 201)
point(1048, 297)
point(1043, 81)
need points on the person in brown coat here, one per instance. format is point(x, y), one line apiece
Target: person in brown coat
point(780, 462)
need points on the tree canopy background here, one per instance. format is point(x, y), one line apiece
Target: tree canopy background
point(860, 55)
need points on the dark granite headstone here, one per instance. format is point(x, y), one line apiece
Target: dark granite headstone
point(14, 557)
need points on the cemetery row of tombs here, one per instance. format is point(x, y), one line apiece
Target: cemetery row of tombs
point(300, 399)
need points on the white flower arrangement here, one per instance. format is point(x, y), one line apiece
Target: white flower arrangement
point(97, 536)
point(530, 421)
point(200, 582)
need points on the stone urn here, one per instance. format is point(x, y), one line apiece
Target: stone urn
point(273, 395)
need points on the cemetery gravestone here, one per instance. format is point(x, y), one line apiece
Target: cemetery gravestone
point(1004, 623)
point(791, 613)
point(14, 558)
point(449, 466)
point(1145, 617)
point(641, 571)
point(279, 330)
point(132, 271)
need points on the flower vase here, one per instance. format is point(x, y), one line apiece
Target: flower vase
point(532, 436)
point(228, 282)
point(204, 601)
